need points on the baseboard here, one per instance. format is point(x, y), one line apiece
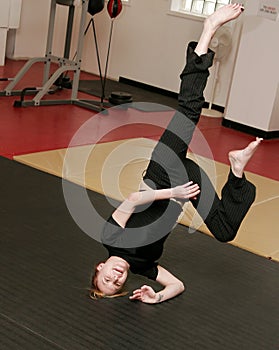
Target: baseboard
point(148, 87)
point(214, 107)
point(163, 92)
point(267, 135)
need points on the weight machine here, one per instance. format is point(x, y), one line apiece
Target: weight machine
point(65, 63)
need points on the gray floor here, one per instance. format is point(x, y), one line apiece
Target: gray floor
point(231, 301)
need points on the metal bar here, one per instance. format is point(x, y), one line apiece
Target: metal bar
point(21, 73)
point(82, 27)
point(49, 40)
point(48, 84)
point(69, 31)
point(46, 103)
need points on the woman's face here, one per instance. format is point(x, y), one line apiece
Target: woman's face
point(112, 275)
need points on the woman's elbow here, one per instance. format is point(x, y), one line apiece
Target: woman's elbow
point(181, 287)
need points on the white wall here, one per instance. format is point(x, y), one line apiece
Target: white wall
point(148, 44)
point(9, 19)
point(254, 94)
point(30, 39)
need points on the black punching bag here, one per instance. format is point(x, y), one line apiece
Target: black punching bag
point(114, 7)
point(95, 6)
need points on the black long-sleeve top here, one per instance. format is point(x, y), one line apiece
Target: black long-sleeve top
point(141, 242)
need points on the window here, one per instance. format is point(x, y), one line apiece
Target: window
point(197, 7)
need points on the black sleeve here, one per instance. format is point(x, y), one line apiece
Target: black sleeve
point(151, 273)
point(111, 233)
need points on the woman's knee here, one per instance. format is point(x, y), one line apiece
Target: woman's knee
point(226, 237)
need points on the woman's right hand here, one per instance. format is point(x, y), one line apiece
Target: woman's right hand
point(145, 294)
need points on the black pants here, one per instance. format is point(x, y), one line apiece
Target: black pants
point(169, 166)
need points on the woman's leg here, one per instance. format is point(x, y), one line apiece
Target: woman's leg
point(224, 216)
point(165, 164)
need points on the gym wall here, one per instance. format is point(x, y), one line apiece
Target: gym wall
point(148, 43)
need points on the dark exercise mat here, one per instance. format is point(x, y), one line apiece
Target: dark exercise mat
point(231, 301)
point(163, 102)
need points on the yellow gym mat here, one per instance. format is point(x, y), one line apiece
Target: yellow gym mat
point(115, 169)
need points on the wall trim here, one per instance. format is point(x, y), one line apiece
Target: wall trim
point(148, 87)
point(163, 92)
point(267, 135)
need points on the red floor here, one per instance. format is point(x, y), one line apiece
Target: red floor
point(33, 129)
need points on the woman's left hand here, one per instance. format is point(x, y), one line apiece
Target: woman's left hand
point(145, 294)
point(186, 191)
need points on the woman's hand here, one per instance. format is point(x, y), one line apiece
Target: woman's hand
point(186, 191)
point(145, 294)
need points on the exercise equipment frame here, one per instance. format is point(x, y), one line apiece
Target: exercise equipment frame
point(65, 65)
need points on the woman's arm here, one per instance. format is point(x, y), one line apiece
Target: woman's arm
point(172, 287)
point(126, 208)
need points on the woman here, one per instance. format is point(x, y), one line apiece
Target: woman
point(135, 233)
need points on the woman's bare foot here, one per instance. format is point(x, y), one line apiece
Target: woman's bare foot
point(239, 158)
point(223, 15)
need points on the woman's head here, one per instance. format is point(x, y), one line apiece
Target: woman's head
point(109, 277)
